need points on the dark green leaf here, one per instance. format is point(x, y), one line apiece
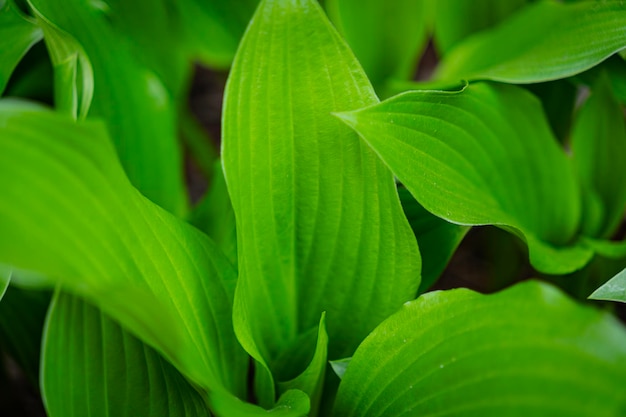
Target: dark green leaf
point(544, 41)
point(318, 217)
point(613, 290)
point(527, 351)
point(483, 156)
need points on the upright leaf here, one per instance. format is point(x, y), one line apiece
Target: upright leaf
point(387, 37)
point(319, 224)
point(527, 351)
point(544, 41)
point(98, 237)
point(599, 148)
point(17, 35)
point(129, 381)
point(482, 156)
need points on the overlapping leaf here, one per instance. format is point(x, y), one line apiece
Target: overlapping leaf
point(17, 35)
point(319, 224)
point(544, 41)
point(526, 351)
point(100, 238)
point(482, 156)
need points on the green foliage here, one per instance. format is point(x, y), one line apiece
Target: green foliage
point(295, 286)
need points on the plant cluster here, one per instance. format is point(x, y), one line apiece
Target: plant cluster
point(300, 283)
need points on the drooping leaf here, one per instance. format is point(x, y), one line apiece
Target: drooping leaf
point(482, 156)
point(599, 147)
point(99, 238)
point(437, 238)
point(318, 217)
point(139, 107)
point(526, 351)
point(613, 290)
point(544, 41)
point(131, 380)
point(17, 35)
point(456, 20)
point(387, 37)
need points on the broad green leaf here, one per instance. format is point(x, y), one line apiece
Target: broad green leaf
point(293, 403)
point(215, 27)
point(613, 290)
point(527, 351)
point(17, 35)
point(214, 215)
point(128, 381)
point(599, 152)
point(22, 314)
point(544, 41)
point(319, 223)
point(482, 156)
point(387, 37)
point(455, 20)
point(437, 238)
point(139, 107)
point(99, 238)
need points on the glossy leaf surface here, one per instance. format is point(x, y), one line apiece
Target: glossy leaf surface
point(545, 41)
point(130, 380)
point(613, 290)
point(482, 156)
point(319, 224)
point(98, 237)
point(17, 36)
point(528, 350)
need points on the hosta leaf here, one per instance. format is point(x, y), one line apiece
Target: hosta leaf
point(98, 237)
point(455, 20)
point(482, 156)
point(17, 35)
point(319, 224)
point(131, 380)
point(613, 290)
point(293, 403)
point(386, 36)
point(565, 39)
point(437, 238)
point(599, 148)
point(138, 106)
point(527, 351)
point(22, 314)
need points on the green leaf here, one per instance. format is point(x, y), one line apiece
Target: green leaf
point(138, 106)
point(613, 290)
point(437, 238)
point(17, 35)
point(527, 351)
point(565, 39)
point(318, 217)
point(99, 238)
point(387, 37)
point(340, 366)
point(130, 380)
point(293, 403)
point(599, 147)
point(456, 20)
point(22, 315)
point(482, 156)
point(5, 279)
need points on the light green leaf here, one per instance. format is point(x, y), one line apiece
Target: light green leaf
point(293, 403)
point(17, 35)
point(98, 237)
point(22, 314)
point(482, 156)
point(138, 106)
point(565, 39)
point(318, 217)
point(455, 20)
point(387, 37)
point(527, 351)
point(599, 147)
point(340, 366)
point(130, 380)
point(437, 238)
point(613, 290)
